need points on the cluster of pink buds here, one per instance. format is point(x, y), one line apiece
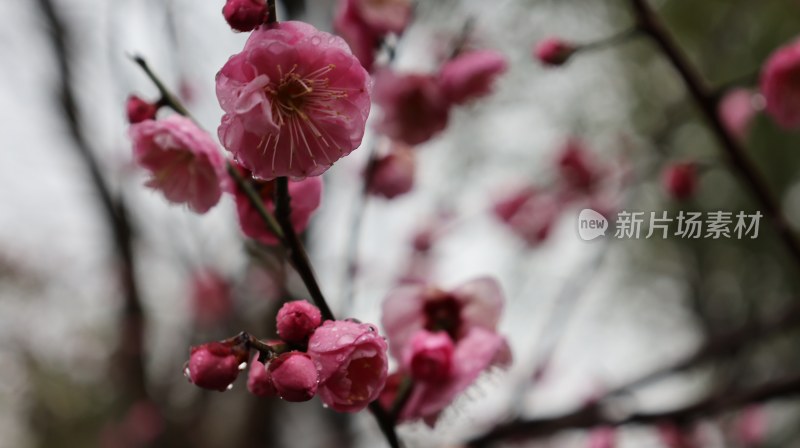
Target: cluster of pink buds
point(342, 362)
point(530, 212)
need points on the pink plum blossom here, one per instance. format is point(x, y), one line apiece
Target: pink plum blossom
point(296, 321)
point(780, 84)
point(736, 109)
point(471, 75)
point(259, 379)
point(363, 40)
point(529, 213)
point(392, 174)
point(306, 195)
point(210, 297)
point(553, 51)
point(352, 364)
point(603, 437)
point(411, 308)
point(245, 15)
point(384, 16)
point(680, 180)
point(294, 376)
point(139, 110)
point(414, 106)
point(295, 100)
point(215, 365)
point(184, 162)
point(750, 426)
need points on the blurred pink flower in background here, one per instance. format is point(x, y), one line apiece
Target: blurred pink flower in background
point(363, 40)
point(553, 51)
point(183, 160)
point(306, 195)
point(529, 213)
point(680, 180)
point(352, 364)
point(210, 297)
point(296, 100)
point(750, 426)
point(384, 16)
point(392, 174)
point(579, 170)
point(737, 111)
point(413, 105)
point(603, 437)
point(429, 356)
point(471, 75)
point(780, 84)
point(245, 15)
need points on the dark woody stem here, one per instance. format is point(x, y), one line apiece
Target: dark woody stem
point(255, 201)
point(705, 100)
point(167, 98)
point(272, 12)
point(610, 41)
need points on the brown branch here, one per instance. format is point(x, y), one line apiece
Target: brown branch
point(593, 415)
point(705, 99)
point(131, 366)
point(589, 416)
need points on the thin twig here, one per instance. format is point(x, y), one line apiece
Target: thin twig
point(131, 367)
point(705, 100)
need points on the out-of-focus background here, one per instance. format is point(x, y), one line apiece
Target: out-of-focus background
point(581, 317)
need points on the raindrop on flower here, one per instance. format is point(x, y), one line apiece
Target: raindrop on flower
point(242, 366)
point(230, 386)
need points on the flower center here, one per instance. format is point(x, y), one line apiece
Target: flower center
point(443, 313)
point(298, 96)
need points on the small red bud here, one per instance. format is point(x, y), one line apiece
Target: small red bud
point(554, 51)
point(140, 110)
point(294, 376)
point(245, 15)
point(680, 180)
point(297, 320)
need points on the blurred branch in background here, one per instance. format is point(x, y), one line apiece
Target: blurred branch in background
point(129, 366)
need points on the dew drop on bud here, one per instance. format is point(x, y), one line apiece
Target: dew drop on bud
point(230, 386)
point(242, 366)
point(187, 374)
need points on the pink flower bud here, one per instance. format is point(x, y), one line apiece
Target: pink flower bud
point(680, 180)
point(736, 110)
point(259, 379)
point(429, 356)
point(780, 86)
point(471, 75)
point(245, 15)
point(139, 110)
point(554, 51)
point(215, 365)
point(352, 364)
point(393, 174)
point(297, 320)
point(294, 376)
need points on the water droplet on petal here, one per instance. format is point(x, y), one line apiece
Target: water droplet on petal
point(324, 405)
point(187, 374)
point(316, 40)
point(242, 366)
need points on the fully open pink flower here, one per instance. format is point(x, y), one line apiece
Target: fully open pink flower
point(780, 84)
point(306, 195)
point(295, 100)
point(183, 160)
point(352, 363)
point(414, 106)
point(410, 308)
point(392, 174)
point(471, 75)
